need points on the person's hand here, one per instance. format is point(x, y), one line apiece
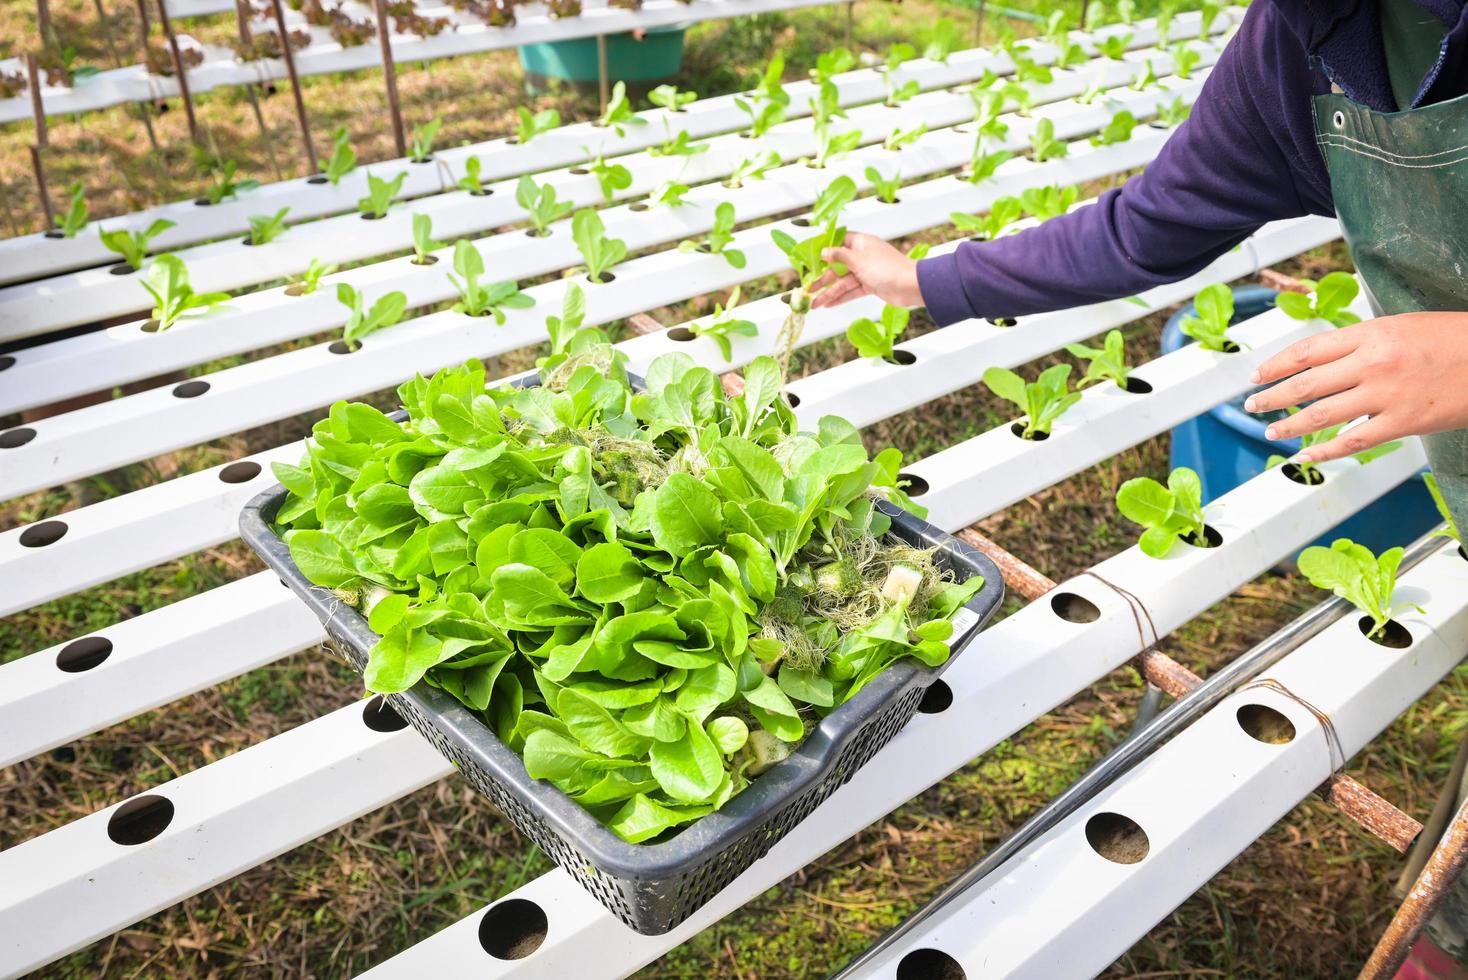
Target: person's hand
point(1408, 373)
point(873, 268)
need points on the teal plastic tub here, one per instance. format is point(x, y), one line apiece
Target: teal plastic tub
point(658, 54)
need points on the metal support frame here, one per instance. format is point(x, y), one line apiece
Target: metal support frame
point(180, 72)
point(390, 75)
point(289, 57)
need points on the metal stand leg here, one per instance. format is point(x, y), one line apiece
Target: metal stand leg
point(1151, 704)
point(603, 84)
point(850, 23)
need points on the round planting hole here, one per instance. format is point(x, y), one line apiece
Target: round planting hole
point(15, 438)
point(342, 347)
point(373, 217)
point(800, 222)
point(513, 929)
point(53, 233)
point(482, 192)
point(1211, 538)
point(190, 389)
point(1308, 478)
point(1229, 347)
point(1003, 321)
point(121, 269)
point(681, 334)
point(42, 534)
point(296, 289)
point(242, 472)
point(1462, 554)
point(424, 259)
point(792, 399)
point(6, 362)
point(1136, 386)
point(912, 484)
point(938, 697)
point(929, 964)
point(1117, 838)
point(149, 326)
point(538, 233)
point(203, 202)
point(63, 754)
point(318, 180)
point(83, 654)
point(639, 206)
point(1265, 724)
point(1074, 608)
point(380, 716)
point(606, 277)
point(579, 171)
point(904, 357)
point(140, 820)
point(1018, 429)
point(1393, 634)
point(427, 159)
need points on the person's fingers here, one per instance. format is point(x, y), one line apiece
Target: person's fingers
point(840, 255)
point(1308, 385)
point(1310, 352)
point(844, 289)
point(1320, 415)
point(1369, 434)
point(827, 277)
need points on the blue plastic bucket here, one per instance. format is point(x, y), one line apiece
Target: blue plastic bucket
point(1226, 446)
point(658, 54)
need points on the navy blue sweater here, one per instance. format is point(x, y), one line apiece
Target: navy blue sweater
point(1245, 157)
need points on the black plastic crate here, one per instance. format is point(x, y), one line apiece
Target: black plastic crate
point(653, 887)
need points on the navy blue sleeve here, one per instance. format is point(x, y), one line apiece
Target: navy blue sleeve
point(1245, 157)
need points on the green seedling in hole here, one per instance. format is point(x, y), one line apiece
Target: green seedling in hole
point(1162, 23)
point(380, 194)
point(719, 327)
point(225, 186)
point(600, 252)
point(1093, 91)
point(1105, 363)
point(1057, 28)
point(567, 334)
point(875, 338)
point(989, 114)
point(807, 262)
point(1003, 213)
point(478, 299)
point(470, 181)
point(1213, 309)
point(362, 321)
point(1147, 79)
point(420, 147)
point(769, 88)
point(540, 201)
point(1174, 113)
point(266, 228)
point(1126, 11)
point(719, 237)
point(681, 145)
point(1019, 95)
point(752, 168)
point(167, 282)
point(826, 105)
point(668, 97)
point(533, 124)
point(1328, 300)
point(1114, 46)
point(1352, 572)
point(343, 159)
point(982, 165)
point(886, 187)
point(943, 41)
point(618, 114)
point(669, 195)
point(423, 242)
point(1095, 17)
point(762, 115)
point(1450, 530)
point(1027, 70)
point(1044, 203)
point(1043, 400)
point(1069, 54)
point(899, 138)
point(1045, 146)
point(611, 177)
point(1168, 513)
point(831, 145)
point(310, 280)
point(1117, 130)
point(1309, 472)
point(1184, 59)
point(899, 92)
point(75, 218)
point(832, 63)
point(133, 245)
point(1210, 11)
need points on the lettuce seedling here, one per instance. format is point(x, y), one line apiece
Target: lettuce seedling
point(1147, 79)
point(943, 41)
point(982, 165)
point(1044, 145)
point(343, 159)
point(1069, 54)
point(681, 145)
point(618, 114)
point(899, 138)
point(1208, 324)
point(266, 228)
point(1028, 70)
point(167, 282)
point(1174, 113)
point(875, 338)
point(567, 332)
point(478, 299)
point(806, 259)
point(1353, 573)
point(1043, 400)
point(1117, 130)
point(762, 115)
point(470, 181)
point(611, 177)
point(420, 146)
point(1106, 363)
point(423, 243)
point(831, 145)
point(75, 218)
point(1093, 92)
point(1209, 11)
point(886, 187)
point(1114, 46)
point(133, 245)
point(1162, 23)
point(361, 321)
point(719, 237)
point(989, 114)
point(669, 195)
point(668, 97)
point(831, 63)
point(225, 186)
point(1002, 215)
point(1450, 525)
point(769, 87)
point(533, 124)
point(1126, 11)
point(1057, 28)
point(899, 92)
point(752, 168)
point(1184, 59)
point(719, 327)
point(1044, 203)
point(1308, 472)
point(1168, 513)
point(540, 201)
point(1328, 300)
point(599, 251)
point(380, 194)
point(310, 280)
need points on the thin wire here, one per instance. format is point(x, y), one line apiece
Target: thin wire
point(1332, 737)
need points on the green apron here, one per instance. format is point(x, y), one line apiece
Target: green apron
point(1400, 183)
